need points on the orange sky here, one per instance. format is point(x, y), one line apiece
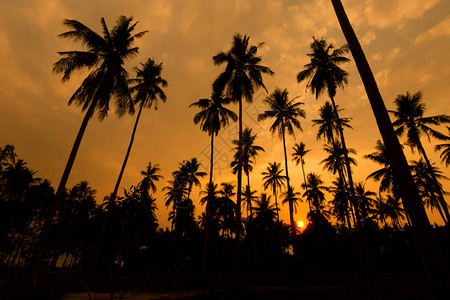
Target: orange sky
point(407, 43)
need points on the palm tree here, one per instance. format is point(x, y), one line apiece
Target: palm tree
point(389, 208)
point(410, 119)
point(445, 154)
point(364, 200)
point(384, 175)
point(105, 56)
point(212, 117)
point(249, 151)
point(328, 123)
point(248, 197)
point(273, 179)
point(427, 247)
point(299, 156)
point(150, 177)
point(424, 180)
point(335, 161)
point(286, 113)
point(324, 73)
point(265, 212)
point(340, 202)
point(226, 207)
point(241, 78)
point(291, 196)
point(314, 192)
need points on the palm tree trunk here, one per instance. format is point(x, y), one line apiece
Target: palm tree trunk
point(441, 199)
point(207, 209)
point(291, 205)
point(252, 224)
point(433, 261)
point(238, 195)
point(114, 194)
point(60, 192)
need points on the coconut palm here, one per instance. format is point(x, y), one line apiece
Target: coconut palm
point(265, 213)
point(213, 116)
point(335, 162)
point(324, 73)
point(248, 197)
point(364, 200)
point(424, 181)
point(340, 202)
point(299, 156)
point(314, 191)
point(427, 246)
point(105, 56)
point(150, 177)
point(445, 154)
point(328, 123)
point(384, 175)
point(226, 207)
point(286, 113)
point(274, 180)
point(291, 196)
point(410, 120)
point(188, 174)
point(241, 78)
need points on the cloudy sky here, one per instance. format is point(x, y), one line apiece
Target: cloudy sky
point(407, 43)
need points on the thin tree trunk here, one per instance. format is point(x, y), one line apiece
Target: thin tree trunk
point(238, 195)
point(60, 193)
point(114, 194)
point(291, 205)
point(207, 209)
point(252, 224)
point(433, 261)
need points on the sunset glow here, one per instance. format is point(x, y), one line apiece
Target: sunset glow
point(300, 224)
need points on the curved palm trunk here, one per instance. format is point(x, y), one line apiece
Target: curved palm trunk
point(207, 209)
point(114, 194)
point(433, 261)
point(291, 205)
point(60, 192)
point(238, 194)
point(443, 205)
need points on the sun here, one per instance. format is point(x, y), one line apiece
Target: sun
point(300, 224)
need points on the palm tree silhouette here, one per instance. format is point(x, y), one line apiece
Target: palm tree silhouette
point(274, 180)
point(324, 73)
point(240, 80)
point(286, 112)
point(424, 177)
point(314, 192)
point(105, 56)
point(265, 213)
point(249, 152)
point(364, 200)
point(328, 123)
point(445, 154)
point(410, 119)
point(226, 208)
point(426, 243)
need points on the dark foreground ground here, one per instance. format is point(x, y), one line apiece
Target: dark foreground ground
point(195, 285)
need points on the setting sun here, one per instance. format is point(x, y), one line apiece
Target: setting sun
point(300, 224)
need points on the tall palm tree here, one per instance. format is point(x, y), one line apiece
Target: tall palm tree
point(427, 247)
point(105, 56)
point(249, 152)
point(340, 201)
point(328, 122)
point(150, 177)
point(410, 120)
point(324, 73)
point(364, 200)
point(212, 117)
point(273, 179)
point(248, 197)
point(425, 183)
point(226, 207)
point(265, 212)
point(241, 78)
point(188, 174)
point(335, 161)
point(286, 113)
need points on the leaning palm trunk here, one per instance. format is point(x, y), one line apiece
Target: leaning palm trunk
point(441, 201)
point(432, 259)
point(112, 199)
point(291, 205)
point(60, 192)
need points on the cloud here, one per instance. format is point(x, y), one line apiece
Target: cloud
point(442, 29)
point(393, 13)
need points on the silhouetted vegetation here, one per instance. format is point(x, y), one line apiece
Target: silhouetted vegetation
point(117, 243)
